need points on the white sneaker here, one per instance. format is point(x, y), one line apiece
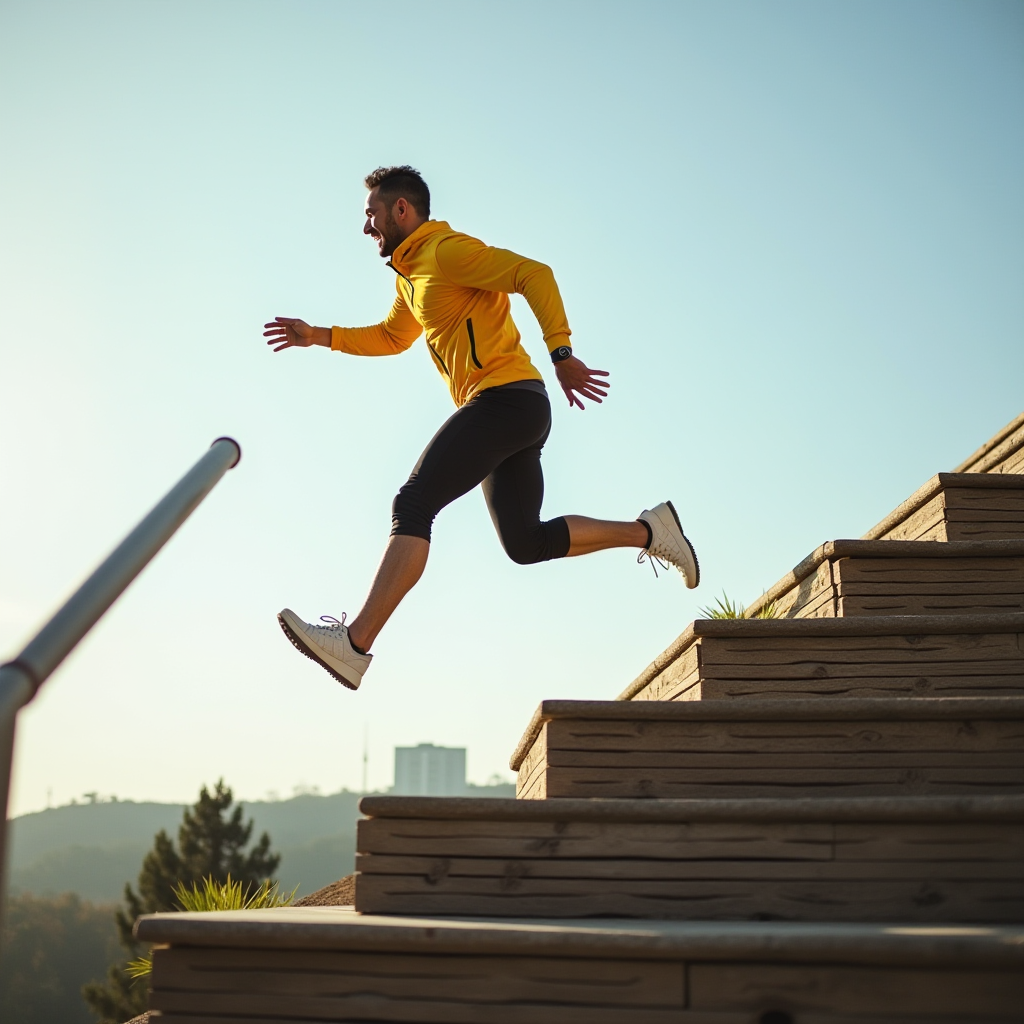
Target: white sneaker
point(669, 543)
point(328, 646)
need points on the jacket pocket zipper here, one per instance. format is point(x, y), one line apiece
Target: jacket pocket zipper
point(472, 344)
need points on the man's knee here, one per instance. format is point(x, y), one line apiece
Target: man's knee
point(411, 516)
point(524, 552)
point(541, 544)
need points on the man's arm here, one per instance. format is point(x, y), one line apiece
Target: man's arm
point(468, 262)
point(395, 334)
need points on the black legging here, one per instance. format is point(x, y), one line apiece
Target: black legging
point(494, 439)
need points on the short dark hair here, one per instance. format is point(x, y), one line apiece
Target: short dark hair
point(403, 182)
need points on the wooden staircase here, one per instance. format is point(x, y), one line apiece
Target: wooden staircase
point(812, 819)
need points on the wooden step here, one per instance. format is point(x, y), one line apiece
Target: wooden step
point(868, 656)
point(959, 506)
point(1004, 453)
point(893, 577)
point(329, 963)
point(775, 748)
point(914, 859)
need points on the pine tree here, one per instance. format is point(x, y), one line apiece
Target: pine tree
point(211, 843)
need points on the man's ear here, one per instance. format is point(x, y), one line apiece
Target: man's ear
point(401, 208)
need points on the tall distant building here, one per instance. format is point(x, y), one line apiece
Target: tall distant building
point(426, 770)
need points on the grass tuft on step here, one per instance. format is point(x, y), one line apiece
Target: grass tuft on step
point(212, 895)
point(725, 608)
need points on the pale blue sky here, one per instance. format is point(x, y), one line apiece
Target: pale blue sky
point(792, 231)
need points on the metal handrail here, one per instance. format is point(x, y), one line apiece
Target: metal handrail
point(21, 678)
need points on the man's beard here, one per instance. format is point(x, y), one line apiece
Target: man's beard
point(391, 236)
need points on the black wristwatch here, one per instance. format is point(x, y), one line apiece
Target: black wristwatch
point(560, 353)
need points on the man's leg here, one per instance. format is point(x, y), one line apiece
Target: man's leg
point(587, 535)
point(461, 454)
point(514, 494)
point(403, 563)
point(515, 491)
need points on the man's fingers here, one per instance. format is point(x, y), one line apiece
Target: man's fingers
point(281, 348)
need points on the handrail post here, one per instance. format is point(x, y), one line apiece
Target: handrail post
point(21, 678)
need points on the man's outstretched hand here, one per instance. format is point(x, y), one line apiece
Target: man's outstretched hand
point(578, 380)
point(287, 333)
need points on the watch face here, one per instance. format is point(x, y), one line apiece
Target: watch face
point(564, 352)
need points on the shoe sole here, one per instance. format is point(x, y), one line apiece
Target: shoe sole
point(296, 640)
point(689, 547)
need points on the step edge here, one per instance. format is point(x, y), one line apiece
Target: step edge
point(636, 810)
point(978, 457)
point(810, 709)
point(936, 484)
point(337, 928)
point(834, 550)
point(861, 625)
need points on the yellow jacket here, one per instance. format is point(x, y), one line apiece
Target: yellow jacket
point(456, 289)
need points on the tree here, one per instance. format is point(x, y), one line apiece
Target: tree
point(51, 945)
point(211, 844)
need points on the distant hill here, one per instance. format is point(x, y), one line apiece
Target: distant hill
point(93, 849)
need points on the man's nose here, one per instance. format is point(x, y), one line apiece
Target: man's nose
point(366, 226)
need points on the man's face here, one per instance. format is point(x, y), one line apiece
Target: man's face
point(380, 225)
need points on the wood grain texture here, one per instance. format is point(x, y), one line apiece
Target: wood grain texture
point(511, 872)
point(563, 813)
point(913, 586)
point(858, 992)
point(246, 986)
point(373, 1007)
point(341, 929)
point(956, 870)
point(387, 1011)
point(770, 781)
point(924, 509)
point(623, 725)
point(916, 900)
point(908, 637)
point(480, 979)
point(792, 588)
point(583, 840)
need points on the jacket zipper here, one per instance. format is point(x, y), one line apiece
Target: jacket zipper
point(412, 299)
point(412, 287)
point(472, 344)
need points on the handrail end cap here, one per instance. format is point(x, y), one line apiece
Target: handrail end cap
point(238, 449)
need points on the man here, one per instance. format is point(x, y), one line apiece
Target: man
point(455, 289)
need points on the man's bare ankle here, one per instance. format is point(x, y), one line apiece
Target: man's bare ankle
point(355, 638)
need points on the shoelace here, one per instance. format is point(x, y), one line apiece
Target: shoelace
point(332, 622)
point(651, 559)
